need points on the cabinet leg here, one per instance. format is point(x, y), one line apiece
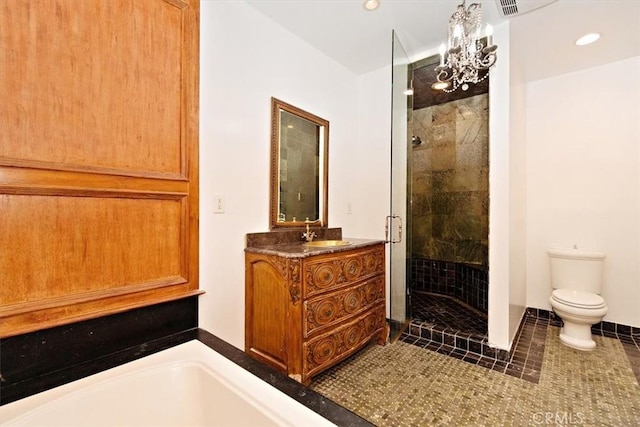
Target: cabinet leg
point(383, 338)
point(301, 379)
point(296, 377)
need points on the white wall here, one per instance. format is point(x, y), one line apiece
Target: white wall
point(583, 171)
point(582, 164)
point(245, 60)
point(517, 191)
point(363, 182)
point(369, 195)
point(499, 188)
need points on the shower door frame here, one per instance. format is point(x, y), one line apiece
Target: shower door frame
point(398, 228)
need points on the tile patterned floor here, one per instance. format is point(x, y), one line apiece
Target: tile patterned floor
point(402, 384)
point(449, 313)
point(524, 362)
point(631, 345)
point(447, 326)
point(443, 321)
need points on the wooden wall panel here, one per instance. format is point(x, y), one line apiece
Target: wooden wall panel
point(96, 83)
point(82, 244)
point(98, 158)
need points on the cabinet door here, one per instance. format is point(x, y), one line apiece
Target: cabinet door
point(266, 304)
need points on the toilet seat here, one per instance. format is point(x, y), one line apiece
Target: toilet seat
point(578, 299)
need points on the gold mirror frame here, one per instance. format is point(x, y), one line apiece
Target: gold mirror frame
point(278, 217)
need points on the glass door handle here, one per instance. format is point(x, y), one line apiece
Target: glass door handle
point(387, 225)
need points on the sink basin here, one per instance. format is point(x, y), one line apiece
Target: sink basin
point(327, 243)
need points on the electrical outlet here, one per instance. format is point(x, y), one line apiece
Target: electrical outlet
point(348, 208)
point(218, 203)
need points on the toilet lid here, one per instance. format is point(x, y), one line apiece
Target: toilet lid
point(578, 298)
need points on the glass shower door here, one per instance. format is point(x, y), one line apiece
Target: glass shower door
point(396, 222)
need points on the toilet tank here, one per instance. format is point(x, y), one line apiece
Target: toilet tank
point(576, 269)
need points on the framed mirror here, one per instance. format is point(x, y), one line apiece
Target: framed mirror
point(299, 166)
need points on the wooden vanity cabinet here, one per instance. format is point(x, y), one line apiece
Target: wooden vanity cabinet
point(305, 313)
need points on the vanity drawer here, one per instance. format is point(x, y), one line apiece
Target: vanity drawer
point(325, 350)
point(331, 308)
point(339, 270)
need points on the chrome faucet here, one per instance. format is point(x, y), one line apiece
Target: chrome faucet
point(308, 235)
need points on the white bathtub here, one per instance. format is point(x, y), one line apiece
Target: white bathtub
point(186, 385)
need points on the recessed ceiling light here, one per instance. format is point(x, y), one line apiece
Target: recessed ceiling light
point(587, 39)
point(371, 4)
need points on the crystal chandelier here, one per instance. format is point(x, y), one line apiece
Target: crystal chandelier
point(467, 59)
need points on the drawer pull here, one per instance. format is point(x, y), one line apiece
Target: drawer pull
point(352, 269)
point(324, 350)
point(352, 302)
point(325, 312)
point(324, 276)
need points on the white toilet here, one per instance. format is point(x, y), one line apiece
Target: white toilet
point(576, 277)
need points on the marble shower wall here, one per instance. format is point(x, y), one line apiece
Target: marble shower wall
point(450, 181)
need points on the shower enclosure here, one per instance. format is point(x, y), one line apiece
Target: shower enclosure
point(440, 176)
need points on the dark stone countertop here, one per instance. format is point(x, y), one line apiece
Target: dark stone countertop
point(289, 235)
point(299, 250)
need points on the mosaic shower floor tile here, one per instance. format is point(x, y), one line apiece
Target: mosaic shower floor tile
point(448, 313)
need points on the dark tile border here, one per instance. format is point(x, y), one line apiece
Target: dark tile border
point(524, 361)
point(456, 339)
point(105, 343)
point(37, 361)
point(608, 329)
point(466, 282)
point(304, 395)
point(544, 315)
point(527, 352)
point(618, 329)
point(633, 354)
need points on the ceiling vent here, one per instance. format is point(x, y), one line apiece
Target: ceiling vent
point(509, 8)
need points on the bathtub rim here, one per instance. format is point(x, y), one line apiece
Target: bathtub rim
point(303, 395)
point(191, 354)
